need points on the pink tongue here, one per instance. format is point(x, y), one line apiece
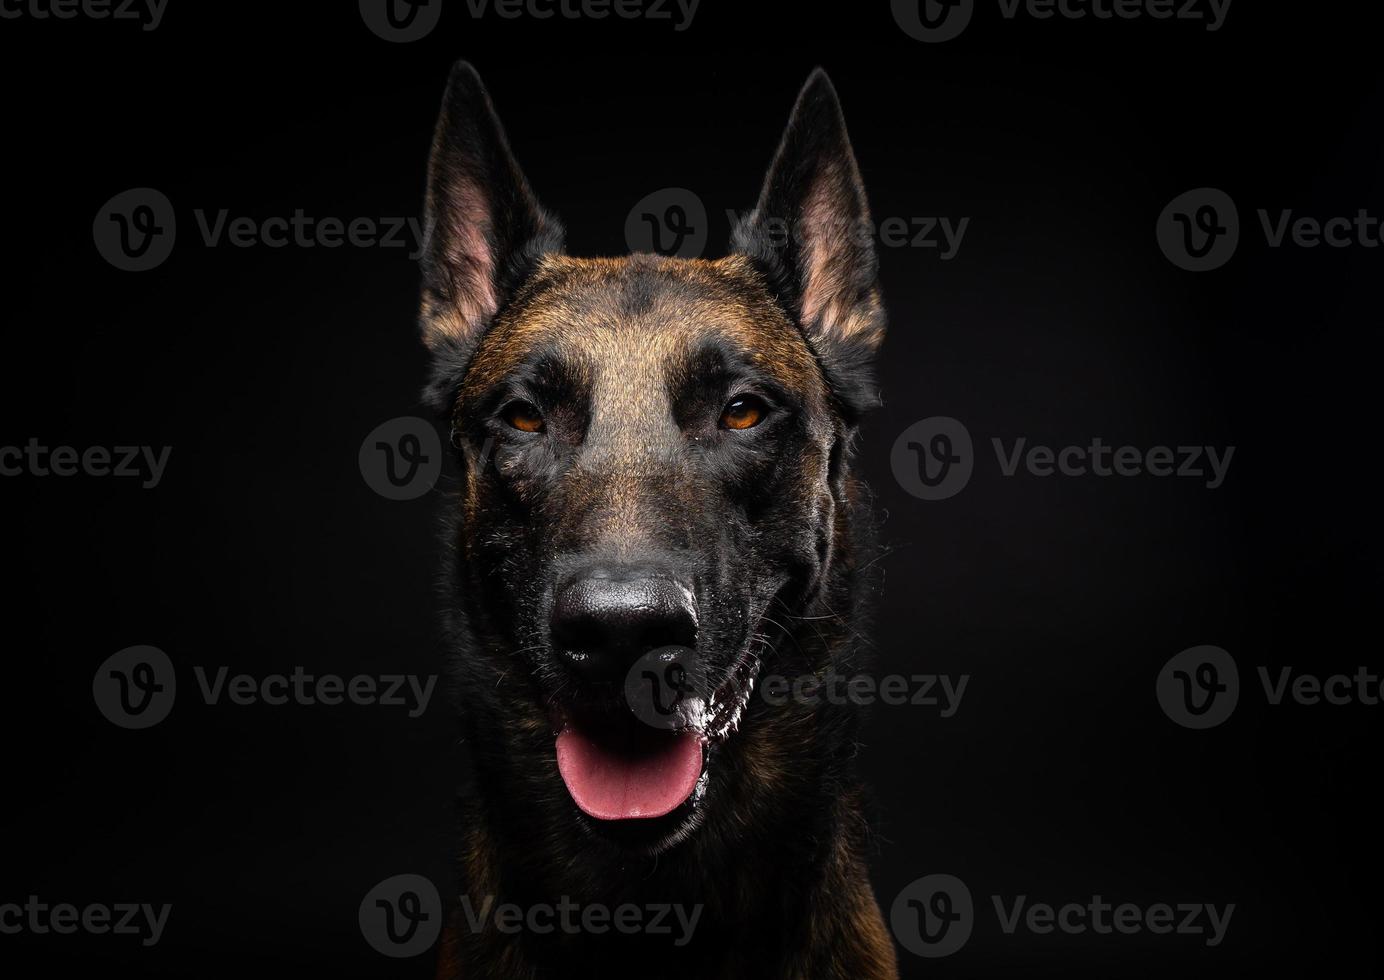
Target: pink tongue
point(620, 782)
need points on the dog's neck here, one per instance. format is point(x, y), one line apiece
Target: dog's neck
point(801, 907)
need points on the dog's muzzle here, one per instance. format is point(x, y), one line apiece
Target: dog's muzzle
point(606, 620)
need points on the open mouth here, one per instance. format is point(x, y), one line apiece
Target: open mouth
point(647, 759)
point(629, 771)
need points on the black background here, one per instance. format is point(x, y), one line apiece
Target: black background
point(1059, 320)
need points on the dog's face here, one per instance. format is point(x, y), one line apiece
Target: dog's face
point(653, 452)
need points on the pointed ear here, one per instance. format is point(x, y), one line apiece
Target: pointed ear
point(811, 234)
point(485, 230)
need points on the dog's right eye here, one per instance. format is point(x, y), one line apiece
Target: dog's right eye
point(522, 416)
point(745, 412)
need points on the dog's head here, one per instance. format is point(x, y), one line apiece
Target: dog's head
point(653, 451)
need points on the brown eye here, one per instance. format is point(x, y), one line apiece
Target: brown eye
point(744, 412)
point(524, 417)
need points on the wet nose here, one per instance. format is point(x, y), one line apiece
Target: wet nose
point(606, 617)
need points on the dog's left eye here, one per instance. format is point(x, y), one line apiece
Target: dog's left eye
point(523, 416)
point(744, 412)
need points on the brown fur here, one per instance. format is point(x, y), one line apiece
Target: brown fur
point(769, 525)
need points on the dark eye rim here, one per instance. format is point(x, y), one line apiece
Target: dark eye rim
point(514, 407)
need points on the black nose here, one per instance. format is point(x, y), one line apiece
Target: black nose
point(605, 618)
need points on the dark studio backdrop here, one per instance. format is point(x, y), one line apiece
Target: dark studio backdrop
point(1057, 319)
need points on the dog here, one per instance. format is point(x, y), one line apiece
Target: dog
point(655, 507)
